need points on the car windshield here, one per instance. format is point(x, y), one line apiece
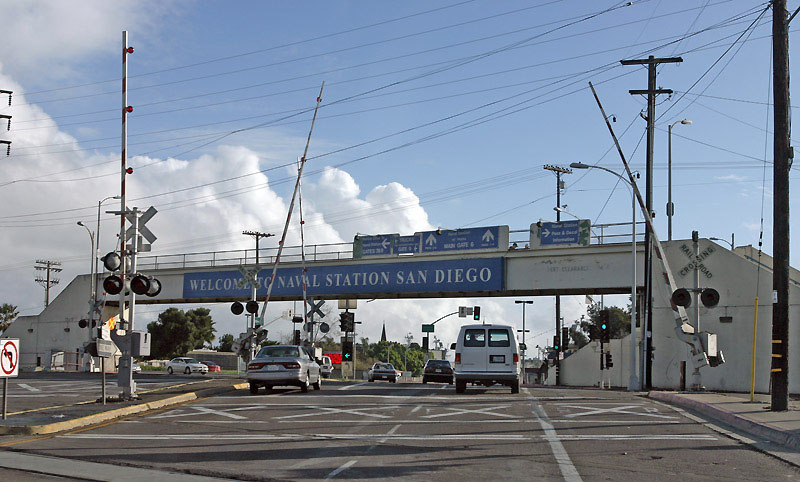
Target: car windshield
point(191, 360)
point(383, 366)
point(279, 352)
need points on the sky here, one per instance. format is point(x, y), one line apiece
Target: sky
point(434, 114)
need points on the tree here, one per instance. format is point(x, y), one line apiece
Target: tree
point(177, 332)
point(619, 322)
point(225, 342)
point(579, 339)
point(7, 314)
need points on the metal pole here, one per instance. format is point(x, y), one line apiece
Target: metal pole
point(103, 369)
point(123, 167)
point(670, 207)
point(5, 397)
point(753, 355)
point(633, 380)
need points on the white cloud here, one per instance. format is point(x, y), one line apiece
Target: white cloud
point(731, 177)
point(45, 32)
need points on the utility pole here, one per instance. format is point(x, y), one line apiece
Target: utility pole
point(7, 118)
point(652, 63)
point(780, 221)
point(45, 279)
point(252, 317)
point(559, 186)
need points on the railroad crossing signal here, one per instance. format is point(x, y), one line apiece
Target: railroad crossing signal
point(143, 230)
point(314, 308)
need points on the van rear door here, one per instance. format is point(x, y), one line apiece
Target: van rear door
point(500, 351)
point(473, 354)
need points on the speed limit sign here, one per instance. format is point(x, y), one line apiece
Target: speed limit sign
point(9, 357)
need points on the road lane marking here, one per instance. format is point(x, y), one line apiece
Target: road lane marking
point(328, 411)
point(416, 409)
point(28, 387)
point(348, 387)
point(624, 422)
point(611, 437)
point(223, 413)
point(618, 409)
point(341, 469)
point(568, 470)
point(483, 411)
point(292, 437)
point(373, 422)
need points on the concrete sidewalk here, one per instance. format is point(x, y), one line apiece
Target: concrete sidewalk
point(736, 410)
point(69, 416)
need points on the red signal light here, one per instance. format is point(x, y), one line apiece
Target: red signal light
point(129, 170)
point(129, 109)
point(129, 50)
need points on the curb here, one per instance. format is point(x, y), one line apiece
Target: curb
point(116, 413)
point(773, 434)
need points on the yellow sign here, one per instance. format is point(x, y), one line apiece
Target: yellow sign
point(112, 322)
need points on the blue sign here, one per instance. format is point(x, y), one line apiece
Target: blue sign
point(451, 276)
point(461, 239)
point(380, 245)
point(565, 232)
point(406, 244)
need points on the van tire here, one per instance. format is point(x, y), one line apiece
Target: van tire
point(461, 386)
point(515, 386)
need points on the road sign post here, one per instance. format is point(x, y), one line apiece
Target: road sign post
point(9, 366)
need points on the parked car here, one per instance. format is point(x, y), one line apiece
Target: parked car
point(135, 368)
point(212, 367)
point(326, 368)
point(437, 371)
point(279, 365)
point(383, 371)
point(185, 365)
point(486, 355)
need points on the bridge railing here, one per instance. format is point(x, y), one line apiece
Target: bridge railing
point(601, 234)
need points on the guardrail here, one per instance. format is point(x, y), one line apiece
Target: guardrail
point(601, 234)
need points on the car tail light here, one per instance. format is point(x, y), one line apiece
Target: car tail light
point(291, 365)
point(516, 357)
point(255, 366)
point(458, 357)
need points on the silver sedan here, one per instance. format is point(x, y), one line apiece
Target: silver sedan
point(279, 365)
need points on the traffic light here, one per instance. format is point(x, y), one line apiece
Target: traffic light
point(564, 339)
point(609, 361)
point(425, 343)
point(237, 308)
point(252, 307)
point(476, 313)
point(605, 328)
point(556, 344)
point(296, 337)
point(347, 321)
point(347, 351)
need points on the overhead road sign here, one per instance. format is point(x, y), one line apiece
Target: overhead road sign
point(9, 357)
point(565, 233)
point(384, 245)
point(427, 328)
point(491, 238)
point(407, 244)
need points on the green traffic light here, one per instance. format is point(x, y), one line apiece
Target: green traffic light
point(603, 326)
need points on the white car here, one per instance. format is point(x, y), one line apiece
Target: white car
point(185, 365)
point(326, 367)
point(485, 355)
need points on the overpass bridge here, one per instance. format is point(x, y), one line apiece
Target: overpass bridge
point(333, 273)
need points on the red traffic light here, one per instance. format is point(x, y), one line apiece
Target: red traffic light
point(129, 50)
point(129, 170)
point(129, 109)
point(112, 285)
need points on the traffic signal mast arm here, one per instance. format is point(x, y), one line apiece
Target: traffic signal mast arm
point(683, 330)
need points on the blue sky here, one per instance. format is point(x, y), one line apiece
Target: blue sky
point(434, 114)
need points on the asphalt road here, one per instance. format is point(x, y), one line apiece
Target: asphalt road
point(371, 431)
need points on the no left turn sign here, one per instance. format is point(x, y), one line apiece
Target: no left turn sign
point(9, 358)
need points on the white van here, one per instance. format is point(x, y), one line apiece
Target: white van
point(485, 355)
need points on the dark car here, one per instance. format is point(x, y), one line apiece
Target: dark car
point(437, 371)
point(212, 367)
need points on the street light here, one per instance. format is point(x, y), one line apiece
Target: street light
point(670, 206)
point(725, 240)
point(633, 380)
point(523, 303)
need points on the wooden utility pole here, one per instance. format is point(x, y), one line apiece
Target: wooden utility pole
point(559, 186)
point(46, 280)
point(651, 92)
point(780, 208)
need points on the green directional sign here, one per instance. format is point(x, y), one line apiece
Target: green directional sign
point(427, 328)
